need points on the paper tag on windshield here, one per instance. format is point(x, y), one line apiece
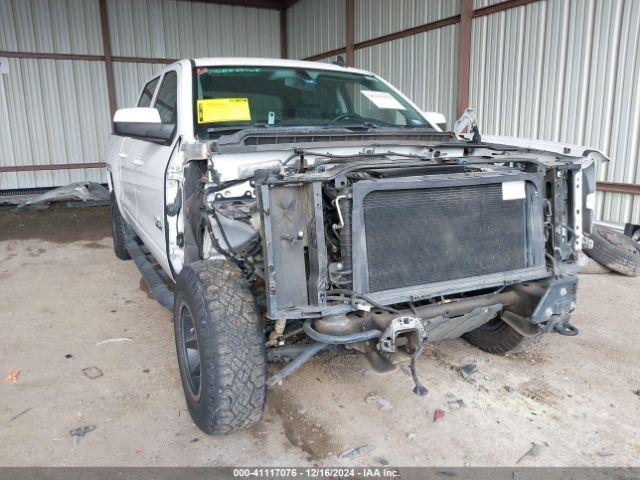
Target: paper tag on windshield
point(223, 110)
point(513, 190)
point(383, 100)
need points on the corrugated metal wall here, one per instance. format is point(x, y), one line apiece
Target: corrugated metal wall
point(51, 26)
point(375, 18)
point(565, 71)
point(315, 26)
point(179, 29)
point(56, 111)
point(51, 111)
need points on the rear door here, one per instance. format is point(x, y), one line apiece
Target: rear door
point(129, 165)
point(150, 160)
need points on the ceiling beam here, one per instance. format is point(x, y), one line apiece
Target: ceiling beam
point(287, 3)
point(267, 4)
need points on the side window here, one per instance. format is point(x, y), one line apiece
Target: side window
point(147, 93)
point(166, 101)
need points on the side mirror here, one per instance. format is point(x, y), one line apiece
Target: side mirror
point(137, 115)
point(436, 118)
point(144, 123)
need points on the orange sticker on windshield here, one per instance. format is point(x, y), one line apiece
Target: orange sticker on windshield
point(212, 110)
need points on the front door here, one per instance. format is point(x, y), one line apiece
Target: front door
point(151, 160)
point(128, 163)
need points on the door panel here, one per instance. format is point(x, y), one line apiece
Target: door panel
point(128, 179)
point(151, 161)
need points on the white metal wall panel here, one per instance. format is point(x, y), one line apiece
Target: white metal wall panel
point(565, 70)
point(52, 111)
point(375, 18)
point(485, 3)
point(180, 29)
point(315, 26)
point(424, 67)
point(50, 26)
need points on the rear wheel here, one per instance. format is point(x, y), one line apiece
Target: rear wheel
point(500, 338)
point(118, 231)
point(220, 345)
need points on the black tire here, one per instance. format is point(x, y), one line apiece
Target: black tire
point(615, 251)
point(119, 231)
point(229, 391)
point(500, 338)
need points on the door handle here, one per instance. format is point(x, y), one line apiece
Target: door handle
point(137, 161)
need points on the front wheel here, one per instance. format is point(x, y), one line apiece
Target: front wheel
point(500, 338)
point(221, 347)
point(119, 231)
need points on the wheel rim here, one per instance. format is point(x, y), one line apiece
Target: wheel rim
point(191, 351)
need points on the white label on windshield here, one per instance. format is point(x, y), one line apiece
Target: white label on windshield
point(383, 100)
point(513, 190)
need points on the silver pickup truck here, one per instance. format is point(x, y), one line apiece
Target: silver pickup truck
point(284, 208)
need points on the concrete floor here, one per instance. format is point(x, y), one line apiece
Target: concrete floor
point(62, 292)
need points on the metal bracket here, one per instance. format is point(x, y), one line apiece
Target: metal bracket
point(398, 326)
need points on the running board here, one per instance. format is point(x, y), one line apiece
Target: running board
point(163, 295)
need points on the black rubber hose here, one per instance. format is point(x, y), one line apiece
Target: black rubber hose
point(158, 288)
point(339, 339)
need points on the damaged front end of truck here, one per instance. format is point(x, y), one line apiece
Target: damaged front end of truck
point(378, 243)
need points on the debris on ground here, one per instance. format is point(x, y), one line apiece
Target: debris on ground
point(68, 355)
point(637, 392)
point(604, 454)
point(92, 372)
point(411, 436)
point(456, 404)
point(78, 433)
point(385, 405)
point(113, 340)
point(21, 413)
point(404, 369)
point(511, 388)
point(438, 414)
point(384, 461)
point(13, 376)
point(355, 452)
point(533, 452)
point(82, 191)
point(467, 371)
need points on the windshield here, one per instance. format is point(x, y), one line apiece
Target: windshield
point(240, 97)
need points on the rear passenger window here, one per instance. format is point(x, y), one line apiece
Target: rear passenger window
point(147, 93)
point(166, 100)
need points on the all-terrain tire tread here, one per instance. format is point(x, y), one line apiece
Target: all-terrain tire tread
point(231, 342)
point(118, 231)
point(612, 256)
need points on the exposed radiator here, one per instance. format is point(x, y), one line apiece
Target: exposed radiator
point(423, 236)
